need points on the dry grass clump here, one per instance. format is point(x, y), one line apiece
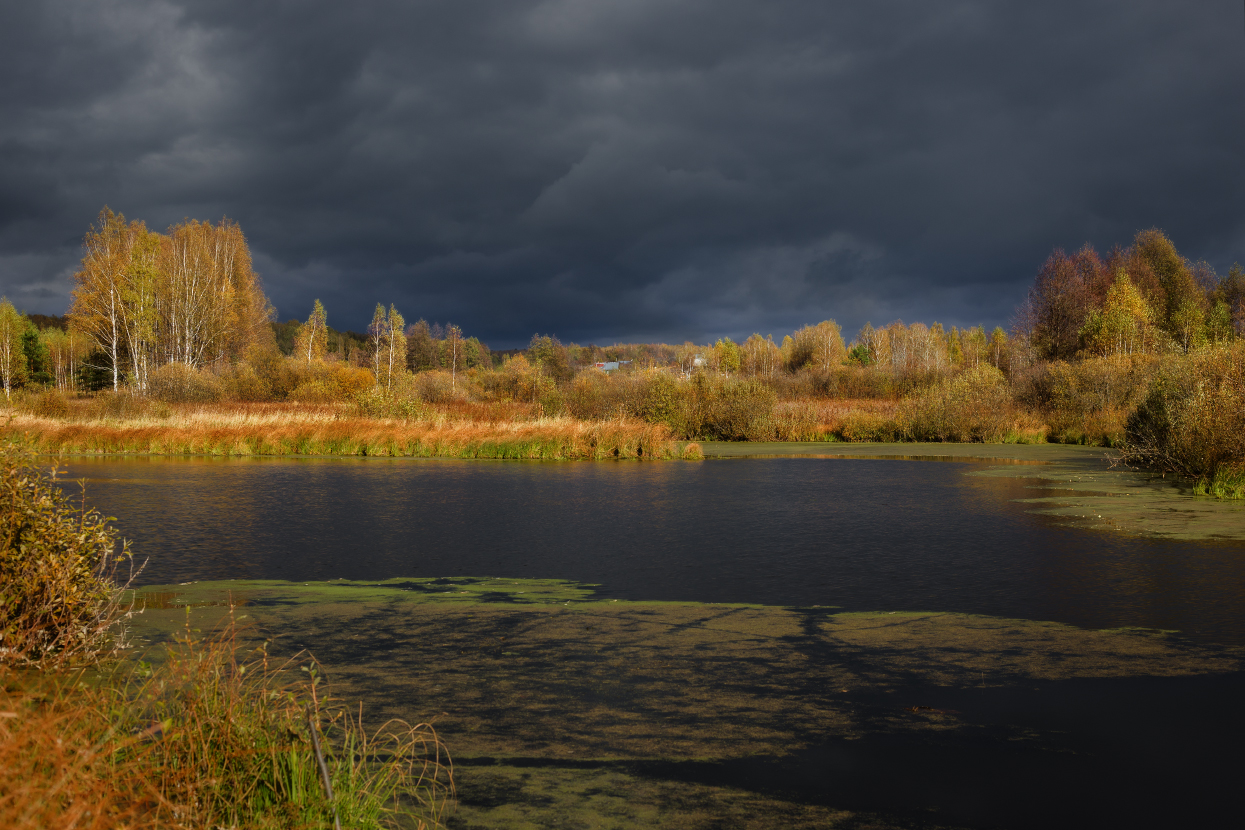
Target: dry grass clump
point(208, 738)
point(62, 764)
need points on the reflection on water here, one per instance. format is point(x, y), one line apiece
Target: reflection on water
point(859, 534)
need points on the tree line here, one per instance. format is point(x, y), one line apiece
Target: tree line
point(189, 296)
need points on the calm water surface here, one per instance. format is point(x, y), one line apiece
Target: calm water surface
point(860, 534)
point(1093, 751)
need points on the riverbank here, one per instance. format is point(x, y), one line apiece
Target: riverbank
point(266, 430)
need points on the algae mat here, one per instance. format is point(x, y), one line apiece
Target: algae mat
point(566, 710)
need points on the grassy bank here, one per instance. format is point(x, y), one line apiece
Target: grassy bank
point(265, 429)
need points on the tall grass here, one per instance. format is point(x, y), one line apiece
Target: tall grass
point(210, 737)
point(291, 433)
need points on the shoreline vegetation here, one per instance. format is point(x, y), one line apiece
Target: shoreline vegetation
point(1139, 350)
point(209, 733)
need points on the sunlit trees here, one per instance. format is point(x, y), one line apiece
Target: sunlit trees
point(205, 297)
point(759, 356)
point(311, 340)
point(12, 359)
point(97, 306)
point(189, 296)
point(549, 356)
point(454, 351)
point(817, 347)
point(1062, 296)
point(998, 348)
point(394, 345)
point(1123, 324)
point(727, 355)
point(64, 353)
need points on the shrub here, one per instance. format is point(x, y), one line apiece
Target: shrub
point(313, 391)
point(243, 383)
point(728, 409)
point(1192, 422)
point(796, 421)
point(972, 406)
point(1087, 402)
point(403, 404)
point(182, 383)
point(436, 386)
point(58, 591)
point(659, 399)
point(47, 404)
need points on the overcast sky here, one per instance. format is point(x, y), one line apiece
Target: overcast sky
point(612, 170)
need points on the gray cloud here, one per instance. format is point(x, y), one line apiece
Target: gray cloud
point(623, 169)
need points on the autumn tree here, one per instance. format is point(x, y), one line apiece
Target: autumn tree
point(817, 347)
point(12, 359)
point(377, 333)
point(97, 306)
point(998, 347)
point(189, 296)
point(395, 346)
point(547, 353)
point(1055, 309)
point(1231, 292)
point(727, 355)
point(64, 352)
point(311, 339)
point(1123, 324)
point(421, 349)
point(1178, 299)
point(760, 356)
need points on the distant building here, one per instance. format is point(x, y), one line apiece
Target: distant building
point(611, 365)
point(699, 362)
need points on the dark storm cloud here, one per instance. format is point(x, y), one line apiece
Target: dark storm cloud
point(632, 169)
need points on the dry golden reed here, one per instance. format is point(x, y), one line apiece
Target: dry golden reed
point(280, 430)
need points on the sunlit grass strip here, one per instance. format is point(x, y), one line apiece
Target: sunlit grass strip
point(547, 439)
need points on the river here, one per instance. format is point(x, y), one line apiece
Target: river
point(754, 642)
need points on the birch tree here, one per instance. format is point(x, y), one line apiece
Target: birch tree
point(312, 340)
point(377, 335)
point(395, 345)
point(453, 350)
point(96, 305)
point(12, 358)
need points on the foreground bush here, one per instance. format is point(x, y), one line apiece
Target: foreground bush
point(1192, 422)
point(58, 565)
